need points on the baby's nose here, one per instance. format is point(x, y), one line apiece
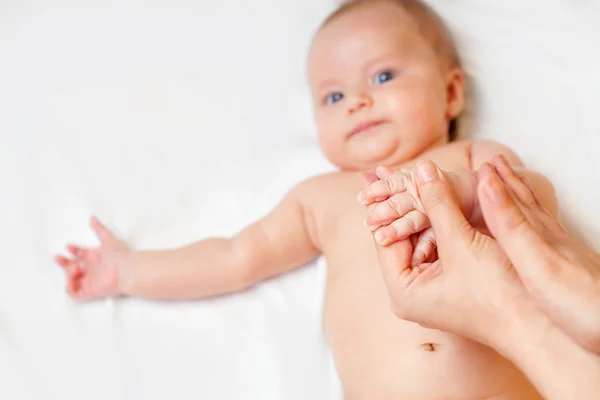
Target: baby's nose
point(362, 100)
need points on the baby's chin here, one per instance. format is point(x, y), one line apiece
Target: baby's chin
point(366, 154)
point(380, 147)
point(366, 160)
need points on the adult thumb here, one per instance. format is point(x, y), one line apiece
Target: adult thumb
point(441, 206)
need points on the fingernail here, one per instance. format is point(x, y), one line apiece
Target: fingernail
point(494, 191)
point(369, 226)
point(426, 171)
point(380, 237)
point(361, 197)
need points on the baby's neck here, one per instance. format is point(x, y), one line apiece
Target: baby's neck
point(424, 154)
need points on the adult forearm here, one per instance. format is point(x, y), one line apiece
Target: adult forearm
point(558, 367)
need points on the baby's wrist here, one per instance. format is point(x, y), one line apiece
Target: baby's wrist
point(125, 272)
point(465, 187)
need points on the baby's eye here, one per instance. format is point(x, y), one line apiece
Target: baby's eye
point(384, 77)
point(334, 97)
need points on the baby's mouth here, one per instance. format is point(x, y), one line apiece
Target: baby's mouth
point(365, 126)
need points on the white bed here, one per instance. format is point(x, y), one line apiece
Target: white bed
point(177, 120)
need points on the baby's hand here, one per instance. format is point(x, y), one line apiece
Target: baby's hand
point(395, 212)
point(94, 272)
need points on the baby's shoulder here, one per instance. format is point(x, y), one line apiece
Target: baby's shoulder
point(485, 150)
point(471, 153)
point(327, 188)
point(321, 185)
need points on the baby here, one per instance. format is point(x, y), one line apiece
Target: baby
point(387, 87)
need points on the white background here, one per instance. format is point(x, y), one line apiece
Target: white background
point(178, 120)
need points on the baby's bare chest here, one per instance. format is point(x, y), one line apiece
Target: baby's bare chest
point(342, 231)
point(362, 331)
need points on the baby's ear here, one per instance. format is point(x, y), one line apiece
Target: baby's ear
point(455, 93)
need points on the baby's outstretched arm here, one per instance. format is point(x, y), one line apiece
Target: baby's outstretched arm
point(278, 243)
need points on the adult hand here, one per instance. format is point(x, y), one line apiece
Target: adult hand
point(560, 274)
point(474, 291)
point(471, 289)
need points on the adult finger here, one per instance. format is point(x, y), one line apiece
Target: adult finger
point(522, 188)
point(514, 182)
point(441, 206)
point(529, 253)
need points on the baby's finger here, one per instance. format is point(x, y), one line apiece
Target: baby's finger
point(414, 239)
point(103, 233)
point(73, 270)
point(384, 188)
point(367, 178)
point(389, 210)
point(62, 261)
point(77, 251)
point(413, 222)
point(73, 287)
point(424, 248)
point(70, 266)
point(383, 172)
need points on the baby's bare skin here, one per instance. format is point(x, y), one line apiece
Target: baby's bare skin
point(379, 356)
point(382, 97)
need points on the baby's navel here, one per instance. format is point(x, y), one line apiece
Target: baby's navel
point(429, 347)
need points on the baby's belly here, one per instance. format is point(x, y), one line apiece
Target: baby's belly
point(379, 356)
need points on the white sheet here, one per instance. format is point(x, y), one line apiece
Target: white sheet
point(178, 120)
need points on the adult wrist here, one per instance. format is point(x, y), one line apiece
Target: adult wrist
point(557, 366)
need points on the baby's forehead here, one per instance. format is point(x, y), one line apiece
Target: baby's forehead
point(356, 37)
point(383, 23)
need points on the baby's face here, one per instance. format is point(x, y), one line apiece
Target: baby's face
point(380, 94)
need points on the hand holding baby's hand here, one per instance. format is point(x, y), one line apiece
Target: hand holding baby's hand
point(452, 293)
point(94, 272)
point(395, 211)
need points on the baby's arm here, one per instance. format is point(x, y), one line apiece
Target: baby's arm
point(278, 243)
point(484, 151)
